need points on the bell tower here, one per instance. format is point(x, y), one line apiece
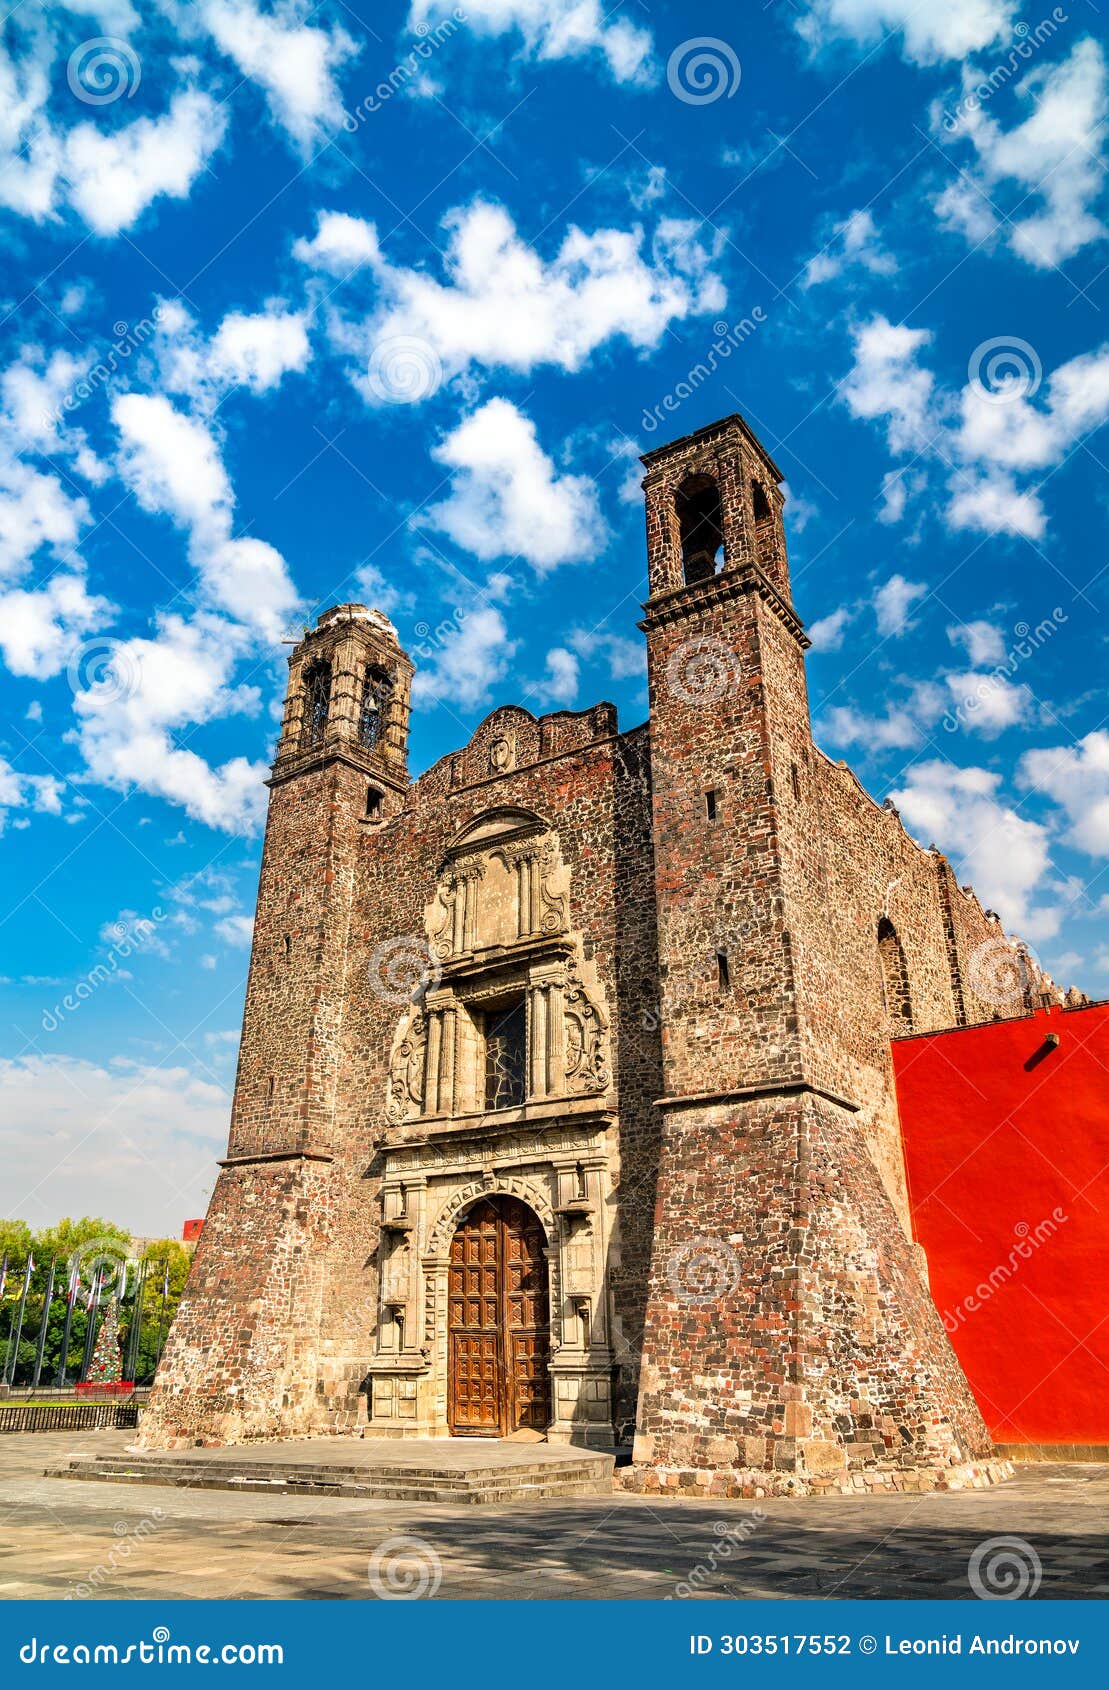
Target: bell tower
point(349, 699)
point(729, 717)
point(243, 1359)
point(783, 1349)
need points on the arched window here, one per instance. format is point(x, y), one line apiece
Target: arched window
point(765, 547)
point(701, 528)
point(317, 702)
point(377, 688)
point(895, 978)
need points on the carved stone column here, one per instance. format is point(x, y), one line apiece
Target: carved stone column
point(448, 1059)
point(434, 1045)
point(537, 1041)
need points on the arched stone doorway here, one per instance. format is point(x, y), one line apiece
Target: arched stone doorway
point(498, 1331)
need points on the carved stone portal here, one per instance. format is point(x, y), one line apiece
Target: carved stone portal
point(499, 924)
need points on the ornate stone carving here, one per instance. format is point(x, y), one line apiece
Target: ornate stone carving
point(536, 1144)
point(586, 1037)
point(452, 913)
point(500, 755)
point(405, 1097)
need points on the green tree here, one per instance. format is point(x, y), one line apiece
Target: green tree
point(168, 1265)
point(15, 1241)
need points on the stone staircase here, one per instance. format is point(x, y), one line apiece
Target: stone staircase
point(521, 1478)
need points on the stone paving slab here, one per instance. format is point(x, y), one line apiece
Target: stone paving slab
point(62, 1539)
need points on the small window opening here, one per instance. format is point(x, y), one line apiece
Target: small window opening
point(377, 689)
point(701, 528)
point(710, 806)
point(723, 973)
point(795, 780)
point(271, 1086)
point(506, 1054)
point(317, 702)
point(373, 804)
point(288, 947)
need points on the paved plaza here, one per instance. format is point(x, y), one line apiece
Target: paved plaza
point(64, 1538)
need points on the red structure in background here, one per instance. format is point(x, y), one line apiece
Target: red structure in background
point(1006, 1135)
point(191, 1231)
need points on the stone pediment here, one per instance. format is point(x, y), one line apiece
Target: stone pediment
point(494, 826)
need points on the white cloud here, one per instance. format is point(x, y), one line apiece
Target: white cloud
point(171, 462)
point(1001, 425)
point(341, 243)
point(469, 662)
point(1004, 855)
point(561, 679)
point(293, 60)
point(987, 704)
point(991, 503)
point(893, 603)
point(35, 511)
point(250, 350)
point(897, 730)
point(624, 657)
point(129, 724)
point(1055, 157)
point(235, 930)
point(553, 29)
point(1077, 777)
point(173, 465)
point(41, 628)
point(27, 792)
point(854, 241)
point(887, 383)
point(827, 632)
point(507, 498)
point(930, 30)
point(981, 640)
point(990, 433)
point(113, 176)
point(502, 306)
point(116, 1138)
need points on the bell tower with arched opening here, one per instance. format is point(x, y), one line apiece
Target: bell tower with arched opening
point(244, 1353)
point(780, 1268)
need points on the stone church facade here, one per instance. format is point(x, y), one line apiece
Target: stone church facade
point(565, 1102)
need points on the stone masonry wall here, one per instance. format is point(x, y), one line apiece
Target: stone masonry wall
point(592, 786)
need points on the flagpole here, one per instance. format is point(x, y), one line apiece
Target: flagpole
point(13, 1358)
point(71, 1298)
point(40, 1352)
point(162, 1316)
point(3, 1282)
point(136, 1323)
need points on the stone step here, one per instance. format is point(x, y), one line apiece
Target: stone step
point(508, 1483)
point(264, 1473)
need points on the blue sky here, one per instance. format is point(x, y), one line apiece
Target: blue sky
point(308, 304)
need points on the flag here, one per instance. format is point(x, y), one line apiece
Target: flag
point(28, 1271)
point(3, 1273)
point(94, 1289)
point(165, 1283)
point(74, 1282)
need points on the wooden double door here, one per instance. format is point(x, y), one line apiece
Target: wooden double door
point(498, 1322)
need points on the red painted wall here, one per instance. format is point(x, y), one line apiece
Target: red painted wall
point(1007, 1155)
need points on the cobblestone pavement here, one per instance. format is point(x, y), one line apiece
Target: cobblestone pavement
point(62, 1538)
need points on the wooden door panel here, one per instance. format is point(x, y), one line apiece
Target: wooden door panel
point(498, 1321)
